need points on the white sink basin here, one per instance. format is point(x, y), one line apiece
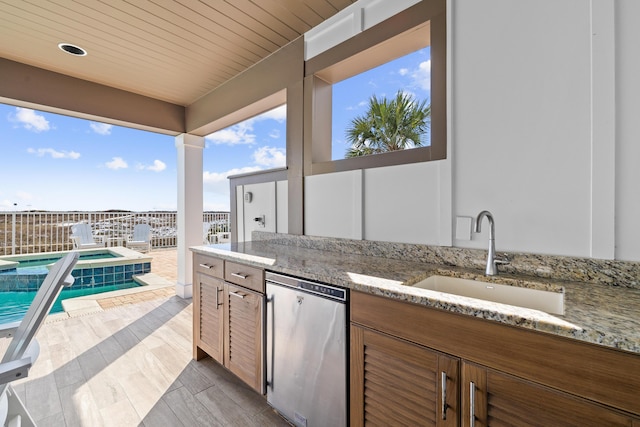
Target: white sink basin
point(550, 302)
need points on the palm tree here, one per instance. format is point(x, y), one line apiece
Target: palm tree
point(389, 125)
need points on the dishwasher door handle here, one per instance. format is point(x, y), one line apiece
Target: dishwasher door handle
point(270, 334)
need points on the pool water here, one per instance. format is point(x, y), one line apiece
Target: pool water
point(41, 262)
point(14, 305)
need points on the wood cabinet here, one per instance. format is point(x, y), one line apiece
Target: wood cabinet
point(208, 308)
point(243, 326)
point(394, 380)
point(507, 375)
point(491, 397)
point(228, 317)
point(208, 301)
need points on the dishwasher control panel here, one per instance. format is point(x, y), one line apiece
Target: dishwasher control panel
point(324, 290)
point(328, 291)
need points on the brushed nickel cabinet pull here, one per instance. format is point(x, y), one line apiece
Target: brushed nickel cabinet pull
point(210, 267)
point(443, 393)
point(472, 404)
point(218, 303)
point(235, 294)
point(240, 275)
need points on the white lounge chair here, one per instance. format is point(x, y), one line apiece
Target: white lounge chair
point(223, 236)
point(83, 238)
point(23, 349)
point(141, 238)
point(207, 237)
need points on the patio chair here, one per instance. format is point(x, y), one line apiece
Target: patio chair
point(23, 349)
point(141, 238)
point(207, 237)
point(83, 238)
point(223, 236)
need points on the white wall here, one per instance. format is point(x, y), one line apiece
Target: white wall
point(401, 203)
point(542, 130)
point(627, 62)
point(393, 204)
point(282, 207)
point(333, 205)
point(263, 203)
point(522, 124)
point(543, 108)
point(268, 199)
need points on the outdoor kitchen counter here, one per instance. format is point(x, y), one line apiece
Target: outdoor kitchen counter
point(600, 314)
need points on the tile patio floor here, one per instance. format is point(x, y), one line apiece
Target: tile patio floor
point(131, 365)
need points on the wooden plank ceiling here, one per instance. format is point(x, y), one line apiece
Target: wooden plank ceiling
point(172, 50)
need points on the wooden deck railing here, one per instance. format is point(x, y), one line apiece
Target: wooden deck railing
point(25, 232)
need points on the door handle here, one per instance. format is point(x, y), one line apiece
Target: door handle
point(236, 294)
point(210, 267)
point(472, 404)
point(218, 303)
point(443, 394)
point(240, 275)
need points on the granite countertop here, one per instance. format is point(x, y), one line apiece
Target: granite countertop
point(595, 313)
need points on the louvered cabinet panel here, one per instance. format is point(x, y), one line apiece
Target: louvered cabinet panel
point(503, 400)
point(395, 382)
point(244, 335)
point(208, 320)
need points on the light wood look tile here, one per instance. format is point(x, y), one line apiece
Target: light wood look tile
point(132, 366)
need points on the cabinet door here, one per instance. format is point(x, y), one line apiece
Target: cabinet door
point(208, 302)
point(244, 334)
point(492, 398)
point(395, 382)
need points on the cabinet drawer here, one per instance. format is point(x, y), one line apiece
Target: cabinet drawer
point(209, 265)
point(243, 275)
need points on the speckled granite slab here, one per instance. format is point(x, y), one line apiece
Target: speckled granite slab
point(595, 312)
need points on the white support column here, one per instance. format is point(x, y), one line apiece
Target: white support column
point(189, 220)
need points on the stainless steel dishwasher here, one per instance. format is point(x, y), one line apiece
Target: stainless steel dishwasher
point(306, 351)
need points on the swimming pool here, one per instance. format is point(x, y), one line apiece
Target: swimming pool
point(13, 305)
point(97, 271)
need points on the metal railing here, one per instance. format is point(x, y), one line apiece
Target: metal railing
point(25, 232)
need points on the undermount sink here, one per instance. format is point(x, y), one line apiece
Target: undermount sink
point(548, 301)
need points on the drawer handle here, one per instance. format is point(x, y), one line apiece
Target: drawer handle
point(472, 404)
point(240, 275)
point(235, 294)
point(443, 396)
point(210, 267)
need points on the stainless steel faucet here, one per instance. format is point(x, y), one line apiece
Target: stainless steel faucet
point(492, 260)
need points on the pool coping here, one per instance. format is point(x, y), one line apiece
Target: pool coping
point(88, 304)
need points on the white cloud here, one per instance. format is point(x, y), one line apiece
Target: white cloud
point(403, 71)
point(117, 163)
point(278, 113)
point(270, 157)
point(274, 134)
point(24, 196)
point(101, 128)
point(20, 201)
point(217, 182)
point(30, 120)
point(242, 133)
point(157, 166)
point(234, 135)
point(41, 152)
point(422, 76)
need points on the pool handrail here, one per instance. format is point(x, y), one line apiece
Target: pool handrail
point(24, 349)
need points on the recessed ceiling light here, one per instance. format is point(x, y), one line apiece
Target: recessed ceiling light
point(72, 49)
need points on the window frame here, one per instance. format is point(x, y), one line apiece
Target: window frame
point(397, 36)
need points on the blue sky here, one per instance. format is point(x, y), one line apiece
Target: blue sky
point(54, 162)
